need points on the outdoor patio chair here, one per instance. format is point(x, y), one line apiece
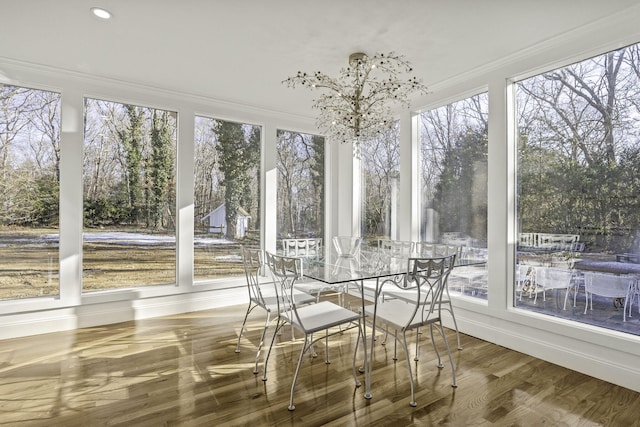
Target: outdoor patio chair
point(525, 279)
point(608, 285)
point(634, 293)
point(547, 278)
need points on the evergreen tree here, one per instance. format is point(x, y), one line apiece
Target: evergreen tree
point(131, 138)
point(160, 167)
point(463, 177)
point(317, 180)
point(234, 162)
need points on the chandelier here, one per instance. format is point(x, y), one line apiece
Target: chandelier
point(357, 105)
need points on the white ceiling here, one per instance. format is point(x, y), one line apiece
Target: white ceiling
point(241, 50)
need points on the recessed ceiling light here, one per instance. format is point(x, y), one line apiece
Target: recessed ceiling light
point(101, 13)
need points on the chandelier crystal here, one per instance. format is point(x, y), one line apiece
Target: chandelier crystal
point(357, 105)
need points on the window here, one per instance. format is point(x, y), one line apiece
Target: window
point(578, 204)
point(300, 186)
point(129, 196)
point(380, 186)
point(226, 195)
point(453, 147)
point(29, 192)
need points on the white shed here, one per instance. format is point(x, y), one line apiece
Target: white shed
point(216, 220)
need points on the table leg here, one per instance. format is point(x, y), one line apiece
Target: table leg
point(369, 364)
point(367, 384)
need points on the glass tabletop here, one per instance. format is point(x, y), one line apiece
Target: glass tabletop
point(367, 263)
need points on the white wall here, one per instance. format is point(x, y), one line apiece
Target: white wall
point(608, 355)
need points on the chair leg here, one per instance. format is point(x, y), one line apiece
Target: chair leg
point(586, 302)
point(395, 346)
point(313, 349)
point(246, 316)
point(435, 348)
point(415, 358)
point(406, 352)
point(264, 333)
point(279, 326)
point(326, 347)
point(637, 297)
point(455, 324)
point(386, 334)
point(446, 344)
point(295, 375)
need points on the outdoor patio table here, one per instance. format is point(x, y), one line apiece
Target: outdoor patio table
point(613, 267)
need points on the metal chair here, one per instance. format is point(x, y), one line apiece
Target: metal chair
point(396, 247)
point(608, 285)
point(308, 319)
point(525, 277)
point(264, 297)
point(347, 246)
point(427, 250)
point(424, 284)
point(547, 278)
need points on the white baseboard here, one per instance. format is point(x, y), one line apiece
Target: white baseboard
point(104, 313)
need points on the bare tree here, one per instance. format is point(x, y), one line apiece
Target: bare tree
point(29, 155)
point(380, 164)
point(208, 193)
point(578, 125)
point(291, 167)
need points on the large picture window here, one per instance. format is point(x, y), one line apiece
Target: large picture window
point(453, 148)
point(129, 196)
point(578, 204)
point(226, 195)
point(29, 192)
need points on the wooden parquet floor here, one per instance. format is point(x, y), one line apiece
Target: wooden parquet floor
point(182, 370)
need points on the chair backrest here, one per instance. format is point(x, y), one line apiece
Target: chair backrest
point(347, 245)
point(524, 272)
point(445, 250)
point(396, 247)
point(252, 261)
point(285, 271)
point(473, 253)
point(302, 247)
point(607, 285)
point(425, 249)
point(553, 278)
point(430, 276)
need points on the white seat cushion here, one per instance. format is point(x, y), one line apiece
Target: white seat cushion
point(320, 316)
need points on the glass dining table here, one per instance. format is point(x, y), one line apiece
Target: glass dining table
point(368, 265)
